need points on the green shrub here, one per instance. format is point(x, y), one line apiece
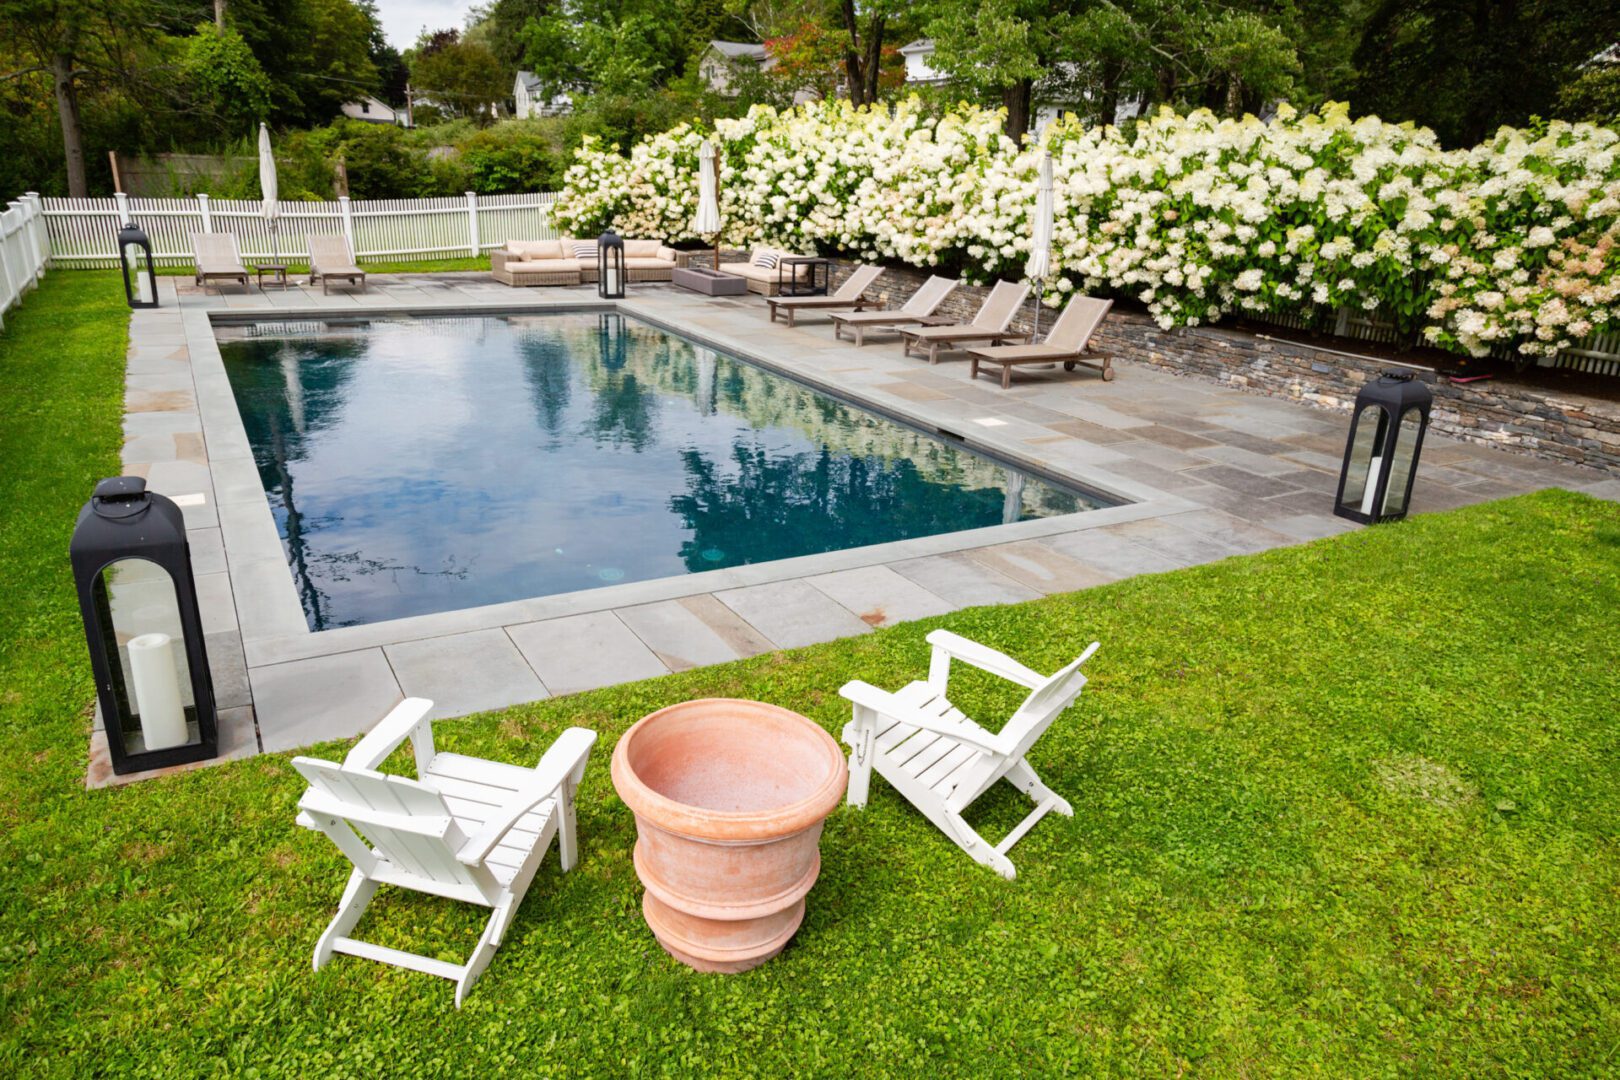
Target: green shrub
point(511, 159)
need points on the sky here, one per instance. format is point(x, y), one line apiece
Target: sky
point(403, 20)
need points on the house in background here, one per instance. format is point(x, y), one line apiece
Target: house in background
point(722, 60)
point(919, 73)
point(529, 100)
point(372, 111)
point(917, 55)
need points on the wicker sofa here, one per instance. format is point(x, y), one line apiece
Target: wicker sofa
point(764, 277)
point(567, 261)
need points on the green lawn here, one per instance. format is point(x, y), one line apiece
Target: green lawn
point(1346, 809)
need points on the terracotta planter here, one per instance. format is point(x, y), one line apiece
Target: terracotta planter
point(729, 797)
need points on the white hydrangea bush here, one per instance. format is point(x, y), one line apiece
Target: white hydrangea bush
point(1194, 216)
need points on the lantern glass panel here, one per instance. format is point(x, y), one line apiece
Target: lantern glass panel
point(1359, 479)
point(140, 276)
point(140, 616)
point(1400, 475)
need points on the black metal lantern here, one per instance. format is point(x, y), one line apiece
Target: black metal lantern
point(610, 266)
point(132, 568)
point(135, 256)
point(1381, 456)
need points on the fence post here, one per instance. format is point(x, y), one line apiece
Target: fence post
point(473, 245)
point(41, 237)
point(123, 208)
point(207, 215)
point(10, 283)
point(347, 213)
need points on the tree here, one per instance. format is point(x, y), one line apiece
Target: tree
point(1593, 96)
point(866, 27)
point(462, 77)
point(77, 42)
point(224, 80)
point(1466, 67)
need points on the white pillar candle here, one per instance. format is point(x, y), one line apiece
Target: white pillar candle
point(157, 691)
point(612, 272)
point(1373, 475)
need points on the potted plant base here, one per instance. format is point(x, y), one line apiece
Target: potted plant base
point(729, 798)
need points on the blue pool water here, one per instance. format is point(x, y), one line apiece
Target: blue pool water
point(422, 465)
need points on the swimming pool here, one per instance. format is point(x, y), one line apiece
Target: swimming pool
point(417, 465)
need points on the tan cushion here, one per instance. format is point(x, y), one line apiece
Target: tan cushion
point(535, 249)
point(543, 265)
point(749, 270)
point(641, 249)
point(638, 263)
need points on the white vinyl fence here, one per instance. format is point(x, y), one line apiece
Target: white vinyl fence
point(24, 251)
point(83, 232)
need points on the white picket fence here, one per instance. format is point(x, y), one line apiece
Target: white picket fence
point(24, 251)
point(83, 232)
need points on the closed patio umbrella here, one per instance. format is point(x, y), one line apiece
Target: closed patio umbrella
point(1039, 267)
point(267, 184)
point(707, 222)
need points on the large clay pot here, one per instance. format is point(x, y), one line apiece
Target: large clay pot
point(729, 797)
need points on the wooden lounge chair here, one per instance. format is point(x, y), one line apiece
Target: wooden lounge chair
point(329, 257)
point(217, 258)
point(940, 760)
point(465, 828)
point(849, 295)
point(989, 325)
point(1065, 343)
point(919, 309)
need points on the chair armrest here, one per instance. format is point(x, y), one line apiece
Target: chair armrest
point(408, 716)
point(984, 658)
point(867, 696)
point(564, 757)
point(497, 259)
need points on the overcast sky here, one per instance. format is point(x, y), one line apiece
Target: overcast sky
point(403, 20)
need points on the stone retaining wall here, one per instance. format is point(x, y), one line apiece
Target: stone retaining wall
point(1567, 428)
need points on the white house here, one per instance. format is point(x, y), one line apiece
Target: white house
point(529, 100)
point(722, 60)
point(917, 55)
point(373, 111)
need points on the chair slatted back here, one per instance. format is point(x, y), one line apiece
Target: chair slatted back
point(218, 250)
point(1000, 306)
point(929, 296)
point(1044, 704)
point(406, 822)
point(858, 282)
point(1079, 321)
point(330, 252)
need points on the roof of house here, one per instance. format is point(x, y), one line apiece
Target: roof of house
point(530, 81)
point(921, 45)
point(738, 50)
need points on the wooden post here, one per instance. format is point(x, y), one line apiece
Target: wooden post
point(112, 159)
point(473, 245)
point(340, 178)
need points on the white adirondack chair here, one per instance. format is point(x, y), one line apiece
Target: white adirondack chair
point(465, 828)
point(940, 760)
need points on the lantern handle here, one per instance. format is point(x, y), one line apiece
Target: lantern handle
point(120, 497)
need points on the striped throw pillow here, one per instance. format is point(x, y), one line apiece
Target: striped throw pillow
point(767, 259)
point(585, 249)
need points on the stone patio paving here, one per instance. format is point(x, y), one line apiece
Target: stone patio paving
point(1210, 472)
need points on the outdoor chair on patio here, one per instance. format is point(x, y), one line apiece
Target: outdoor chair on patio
point(217, 258)
point(1066, 344)
point(465, 828)
point(940, 760)
point(989, 325)
point(919, 309)
point(849, 295)
point(329, 257)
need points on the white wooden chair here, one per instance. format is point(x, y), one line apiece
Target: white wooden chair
point(465, 828)
point(940, 760)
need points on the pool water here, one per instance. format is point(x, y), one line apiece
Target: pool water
point(416, 465)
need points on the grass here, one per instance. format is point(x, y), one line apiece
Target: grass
point(1345, 809)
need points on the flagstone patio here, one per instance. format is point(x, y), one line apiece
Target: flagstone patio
point(1207, 471)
